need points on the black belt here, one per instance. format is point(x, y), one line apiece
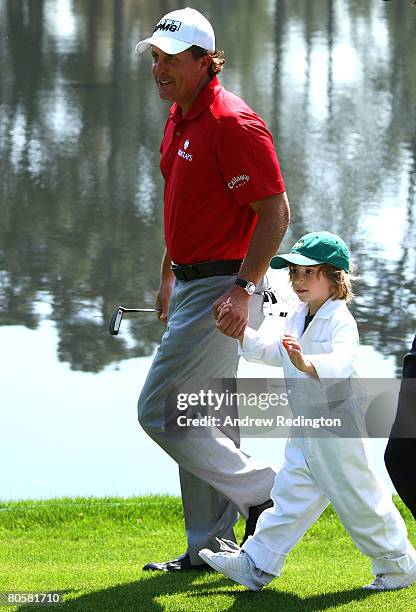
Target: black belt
point(204, 270)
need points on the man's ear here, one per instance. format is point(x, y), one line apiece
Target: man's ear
point(205, 62)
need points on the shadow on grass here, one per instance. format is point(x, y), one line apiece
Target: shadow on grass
point(142, 595)
point(269, 599)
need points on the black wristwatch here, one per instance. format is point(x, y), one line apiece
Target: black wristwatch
point(248, 286)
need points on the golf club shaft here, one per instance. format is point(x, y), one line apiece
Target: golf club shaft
point(139, 309)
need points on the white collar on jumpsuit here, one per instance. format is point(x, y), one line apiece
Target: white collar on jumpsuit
point(297, 320)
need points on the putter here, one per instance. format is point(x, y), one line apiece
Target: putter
point(117, 316)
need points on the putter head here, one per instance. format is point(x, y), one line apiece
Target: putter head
point(115, 321)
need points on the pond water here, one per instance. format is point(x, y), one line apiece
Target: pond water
point(81, 203)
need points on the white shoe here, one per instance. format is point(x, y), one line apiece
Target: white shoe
point(233, 563)
point(389, 582)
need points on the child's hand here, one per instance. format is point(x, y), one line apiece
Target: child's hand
point(296, 356)
point(294, 350)
point(224, 309)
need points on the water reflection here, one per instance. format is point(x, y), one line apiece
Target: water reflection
point(80, 126)
point(69, 433)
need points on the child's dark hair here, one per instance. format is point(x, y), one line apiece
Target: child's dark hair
point(339, 279)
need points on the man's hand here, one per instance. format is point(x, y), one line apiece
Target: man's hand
point(165, 289)
point(224, 309)
point(296, 356)
point(163, 299)
point(233, 322)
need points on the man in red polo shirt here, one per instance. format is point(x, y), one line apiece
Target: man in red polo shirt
point(225, 214)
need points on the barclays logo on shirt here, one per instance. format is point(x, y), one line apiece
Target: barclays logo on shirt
point(238, 181)
point(182, 153)
point(186, 156)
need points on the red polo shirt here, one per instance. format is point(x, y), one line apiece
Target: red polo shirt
point(216, 160)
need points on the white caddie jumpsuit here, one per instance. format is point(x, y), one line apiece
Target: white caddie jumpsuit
point(319, 470)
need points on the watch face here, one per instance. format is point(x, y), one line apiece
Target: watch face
point(250, 288)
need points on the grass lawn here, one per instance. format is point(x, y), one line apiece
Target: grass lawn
point(92, 550)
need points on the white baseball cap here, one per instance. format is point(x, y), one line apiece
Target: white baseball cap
point(179, 30)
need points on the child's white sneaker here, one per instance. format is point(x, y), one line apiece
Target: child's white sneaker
point(233, 563)
point(389, 582)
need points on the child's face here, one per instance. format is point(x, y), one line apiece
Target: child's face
point(310, 286)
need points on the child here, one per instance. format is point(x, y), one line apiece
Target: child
point(320, 348)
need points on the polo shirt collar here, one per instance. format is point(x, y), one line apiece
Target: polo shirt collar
point(204, 99)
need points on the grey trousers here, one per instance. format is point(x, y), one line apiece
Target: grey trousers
point(217, 479)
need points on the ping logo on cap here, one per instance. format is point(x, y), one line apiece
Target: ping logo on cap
point(168, 25)
point(298, 244)
point(178, 30)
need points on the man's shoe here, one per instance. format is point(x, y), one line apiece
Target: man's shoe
point(253, 516)
point(181, 564)
point(390, 582)
point(234, 565)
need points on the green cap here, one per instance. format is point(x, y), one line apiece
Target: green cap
point(313, 249)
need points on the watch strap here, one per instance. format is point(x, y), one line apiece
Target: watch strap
point(241, 282)
point(248, 286)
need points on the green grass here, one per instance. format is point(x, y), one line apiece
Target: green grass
point(93, 551)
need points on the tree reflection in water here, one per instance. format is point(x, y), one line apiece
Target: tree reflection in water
point(80, 126)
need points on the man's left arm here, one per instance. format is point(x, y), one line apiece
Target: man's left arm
point(273, 220)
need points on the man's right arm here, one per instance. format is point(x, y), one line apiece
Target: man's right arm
point(165, 289)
